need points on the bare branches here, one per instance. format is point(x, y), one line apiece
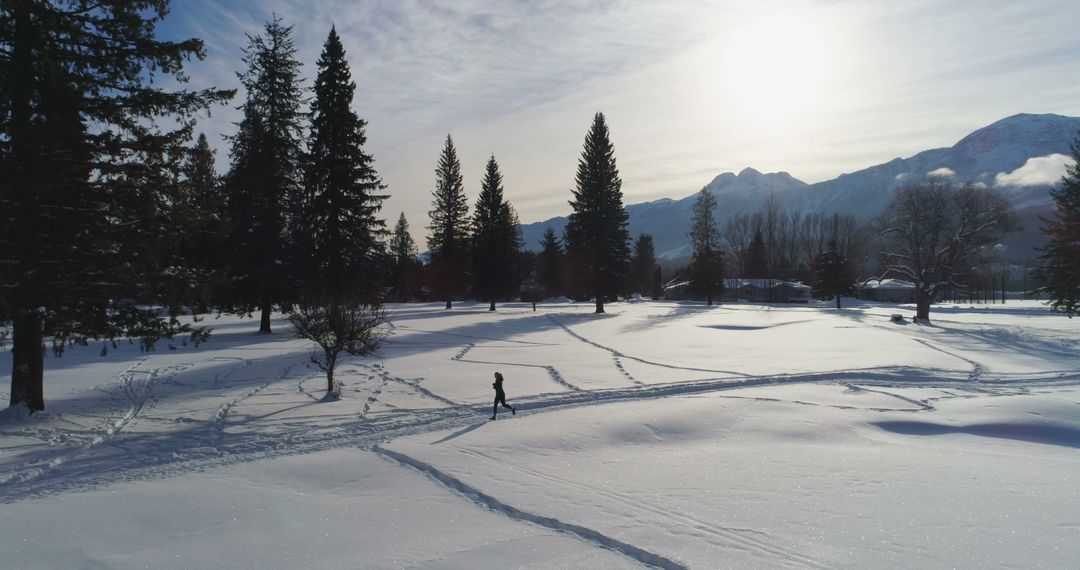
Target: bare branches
point(339, 327)
point(934, 234)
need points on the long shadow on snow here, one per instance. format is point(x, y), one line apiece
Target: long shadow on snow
point(138, 456)
point(989, 338)
point(190, 384)
point(1045, 433)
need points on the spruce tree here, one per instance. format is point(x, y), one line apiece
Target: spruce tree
point(448, 243)
point(90, 155)
point(643, 263)
point(200, 225)
point(495, 242)
point(404, 265)
point(550, 271)
point(757, 258)
point(596, 236)
point(340, 233)
point(1060, 269)
point(707, 266)
point(832, 274)
point(264, 181)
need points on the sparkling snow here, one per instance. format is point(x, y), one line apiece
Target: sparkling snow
point(675, 435)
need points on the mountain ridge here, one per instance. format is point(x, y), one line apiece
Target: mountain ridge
point(981, 157)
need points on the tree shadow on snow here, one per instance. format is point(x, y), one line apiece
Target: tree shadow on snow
point(1049, 434)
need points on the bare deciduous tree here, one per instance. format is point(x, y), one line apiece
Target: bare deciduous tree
point(338, 327)
point(933, 233)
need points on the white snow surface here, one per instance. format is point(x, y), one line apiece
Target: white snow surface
point(660, 434)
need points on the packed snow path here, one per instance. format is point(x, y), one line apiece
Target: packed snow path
point(242, 398)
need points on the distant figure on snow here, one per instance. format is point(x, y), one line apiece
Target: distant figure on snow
point(500, 397)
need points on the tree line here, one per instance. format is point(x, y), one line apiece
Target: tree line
point(114, 223)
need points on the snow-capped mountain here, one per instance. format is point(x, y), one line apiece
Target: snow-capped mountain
point(985, 156)
point(1020, 156)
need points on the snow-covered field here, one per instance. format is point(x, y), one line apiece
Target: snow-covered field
point(675, 435)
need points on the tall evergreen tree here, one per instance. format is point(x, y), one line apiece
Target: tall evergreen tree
point(88, 173)
point(757, 258)
point(200, 223)
point(495, 243)
point(832, 274)
point(448, 243)
point(404, 264)
point(1060, 269)
point(643, 263)
point(597, 239)
point(264, 180)
point(707, 266)
point(550, 270)
point(340, 241)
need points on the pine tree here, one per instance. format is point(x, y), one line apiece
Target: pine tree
point(88, 172)
point(404, 265)
point(1060, 269)
point(707, 266)
point(757, 258)
point(340, 240)
point(597, 239)
point(643, 263)
point(832, 274)
point(200, 221)
point(448, 243)
point(264, 181)
point(495, 242)
point(550, 263)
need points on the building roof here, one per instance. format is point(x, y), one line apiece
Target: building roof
point(887, 284)
point(762, 284)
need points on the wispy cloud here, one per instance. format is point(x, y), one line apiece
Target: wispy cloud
point(943, 172)
point(1037, 171)
point(522, 79)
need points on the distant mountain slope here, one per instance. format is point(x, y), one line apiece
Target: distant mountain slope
point(1000, 148)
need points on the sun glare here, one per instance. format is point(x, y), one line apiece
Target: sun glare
point(776, 66)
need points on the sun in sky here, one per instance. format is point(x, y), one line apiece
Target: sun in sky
point(776, 67)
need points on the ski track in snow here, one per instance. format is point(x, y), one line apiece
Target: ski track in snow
point(977, 369)
point(414, 384)
point(220, 419)
point(741, 538)
point(158, 456)
point(373, 397)
point(491, 503)
point(616, 356)
point(155, 457)
point(554, 374)
point(134, 386)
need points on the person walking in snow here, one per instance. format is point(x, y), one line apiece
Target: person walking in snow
point(500, 397)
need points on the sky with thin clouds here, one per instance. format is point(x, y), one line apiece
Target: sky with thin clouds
point(690, 88)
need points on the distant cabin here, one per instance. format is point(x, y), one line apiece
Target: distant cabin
point(887, 290)
point(754, 290)
point(765, 291)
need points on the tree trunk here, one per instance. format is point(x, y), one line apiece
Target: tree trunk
point(264, 322)
point(838, 301)
point(708, 298)
point(330, 380)
point(922, 307)
point(28, 362)
point(449, 304)
point(492, 306)
point(599, 303)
